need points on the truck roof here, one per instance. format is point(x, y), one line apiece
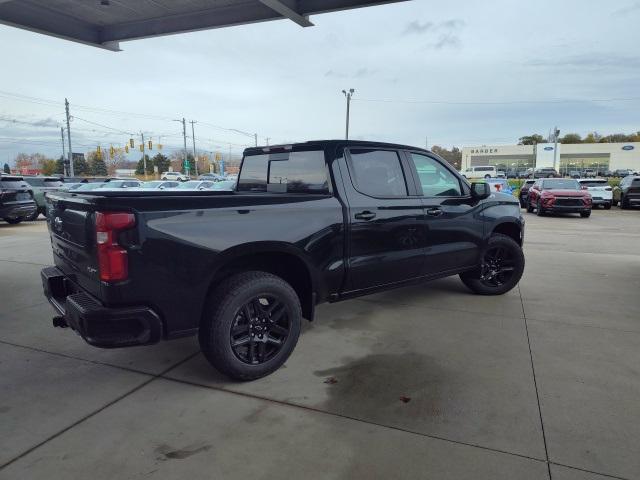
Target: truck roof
point(322, 144)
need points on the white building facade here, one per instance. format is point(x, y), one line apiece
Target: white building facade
point(567, 157)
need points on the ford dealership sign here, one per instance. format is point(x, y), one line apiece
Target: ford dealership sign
point(628, 147)
point(548, 148)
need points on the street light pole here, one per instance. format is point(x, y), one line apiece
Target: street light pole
point(348, 95)
point(144, 155)
point(64, 170)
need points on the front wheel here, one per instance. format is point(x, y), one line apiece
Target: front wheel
point(487, 176)
point(250, 325)
point(607, 206)
point(13, 221)
point(529, 207)
point(500, 270)
point(585, 214)
point(539, 210)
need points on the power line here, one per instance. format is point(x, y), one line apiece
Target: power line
point(507, 102)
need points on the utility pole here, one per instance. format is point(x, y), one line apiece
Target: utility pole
point(348, 94)
point(426, 143)
point(255, 137)
point(193, 138)
point(144, 155)
point(267, 140)
point(64, 170)
point(66, 107)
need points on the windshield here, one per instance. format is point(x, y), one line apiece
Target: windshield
point(560, 184)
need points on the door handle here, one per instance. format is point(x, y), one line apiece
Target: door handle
point(434, 212)
point(366, 215)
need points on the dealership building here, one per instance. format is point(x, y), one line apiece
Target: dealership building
point(601, 156)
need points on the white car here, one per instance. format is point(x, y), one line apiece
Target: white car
point(482, 171)
point(180, 177)
point(600, 190)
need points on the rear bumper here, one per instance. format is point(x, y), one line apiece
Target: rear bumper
point(601, 201)
point(100, 326)
point(18, 210)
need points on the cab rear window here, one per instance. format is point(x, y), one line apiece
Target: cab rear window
point(284, 172)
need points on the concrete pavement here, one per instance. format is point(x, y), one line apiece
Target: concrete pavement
point(425, 382)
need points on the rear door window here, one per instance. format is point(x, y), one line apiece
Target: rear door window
point(285, 172)
point(377, 173)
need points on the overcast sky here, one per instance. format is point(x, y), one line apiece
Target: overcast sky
point(285, 82)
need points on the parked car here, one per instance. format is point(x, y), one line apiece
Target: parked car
point(559, 195)
point(589, 173)
point(500, 185)
point(308, 223)
point(116, 184)
point(159, 184)
point(180, 177)
point(211, 176)
point(600, 190)
point(40, 186)
point(483, 171)
point(227, 185)
point(627, 193)
point(66, 186)
point(545, 172)
point(524, 192)
point(195, 185)
point(87, 187)
point(501, 174)
point(575, 174)
point(16, 199)
point(622, 172)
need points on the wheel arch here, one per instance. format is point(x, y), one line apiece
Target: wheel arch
point(510, 229)
point(281, 259)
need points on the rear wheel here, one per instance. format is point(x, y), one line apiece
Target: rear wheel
point(539, 210)
point(501, 268)
point(14, 221)
point(623, 203)
point(487, 176)
point(251, 325)
point(607, 206)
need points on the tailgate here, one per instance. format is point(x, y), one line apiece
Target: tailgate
point(73, 239)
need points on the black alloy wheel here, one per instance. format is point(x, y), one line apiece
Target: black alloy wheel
point(498, 266)
point(259, 330)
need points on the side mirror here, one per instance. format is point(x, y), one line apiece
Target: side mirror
point(480, 190)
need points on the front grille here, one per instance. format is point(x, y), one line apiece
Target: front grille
point(568, 202)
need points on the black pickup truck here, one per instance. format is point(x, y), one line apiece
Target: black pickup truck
point(308, 223)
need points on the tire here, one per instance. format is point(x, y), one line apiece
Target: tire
point(14, 221)
point(487, 176)
point(33, 217)
point(622, 204)
point(539, 210)
point(476, 284)
point(224, 313)
point(529, 207)
point(607, 206)
point(585, 214)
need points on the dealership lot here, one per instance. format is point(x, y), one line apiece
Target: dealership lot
point(429, 381)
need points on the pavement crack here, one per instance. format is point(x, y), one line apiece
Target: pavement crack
point(535, 383)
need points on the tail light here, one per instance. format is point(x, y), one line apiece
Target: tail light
point(112, 258)
point(498, 186)
point(608, 189)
